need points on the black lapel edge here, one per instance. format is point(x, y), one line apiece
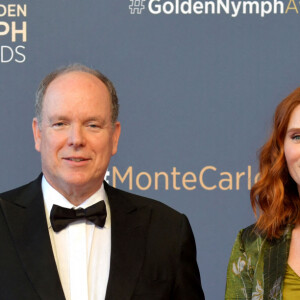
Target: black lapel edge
point(129, 226)
point(24, 211)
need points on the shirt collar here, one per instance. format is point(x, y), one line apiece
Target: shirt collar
point(52, 196)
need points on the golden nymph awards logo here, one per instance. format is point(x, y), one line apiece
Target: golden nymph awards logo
point(233, 8)
point(13, 33)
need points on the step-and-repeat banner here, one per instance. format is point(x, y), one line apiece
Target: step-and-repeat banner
point(198, 82)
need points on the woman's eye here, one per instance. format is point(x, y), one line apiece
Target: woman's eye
point(296, 137)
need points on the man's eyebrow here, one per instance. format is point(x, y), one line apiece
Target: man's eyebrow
point(57, 117)
point(95, 118)
point(63, 117)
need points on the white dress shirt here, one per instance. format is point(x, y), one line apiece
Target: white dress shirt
point(81, 250)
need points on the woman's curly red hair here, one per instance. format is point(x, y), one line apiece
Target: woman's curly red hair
point(275, 198)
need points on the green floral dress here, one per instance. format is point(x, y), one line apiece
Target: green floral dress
point(257, 266)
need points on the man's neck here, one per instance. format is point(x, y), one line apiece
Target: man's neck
point(76, 195)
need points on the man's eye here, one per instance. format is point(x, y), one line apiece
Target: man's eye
point(93, 126)
point(58, 124)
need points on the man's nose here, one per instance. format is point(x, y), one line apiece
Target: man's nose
point(76, 136)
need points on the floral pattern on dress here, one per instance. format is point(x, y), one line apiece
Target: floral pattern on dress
point(275, 292)
point(257, 266)
point(238, 267)
point(259, 292)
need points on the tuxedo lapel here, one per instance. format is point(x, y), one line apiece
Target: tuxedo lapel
point(129, 226)
point(25, 215)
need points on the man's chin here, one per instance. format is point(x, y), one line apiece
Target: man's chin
point(74, 183)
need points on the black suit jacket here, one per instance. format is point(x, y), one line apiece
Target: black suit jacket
point(153, 254)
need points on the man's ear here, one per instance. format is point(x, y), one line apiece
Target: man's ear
point(116, 135)
point(36, 134)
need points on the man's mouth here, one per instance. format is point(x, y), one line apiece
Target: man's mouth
point(76, 159)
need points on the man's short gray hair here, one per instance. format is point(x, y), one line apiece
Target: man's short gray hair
point(40, 93)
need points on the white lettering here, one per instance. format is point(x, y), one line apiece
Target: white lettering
point(198, 7)
point(168, 7)
point(20, 54)
point(156, 6)
point(266, 8)
point(251, 4)
point(212, 5)
point(7, 60)
point(280, 4)
point(186, 7)
point(236, 8)
point(224, 6)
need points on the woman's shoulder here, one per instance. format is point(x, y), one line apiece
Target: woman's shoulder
point(250, 236)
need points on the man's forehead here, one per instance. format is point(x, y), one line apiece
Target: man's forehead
point(77, 84)
point(79, 88)
point(54, 116)
point(74, 77)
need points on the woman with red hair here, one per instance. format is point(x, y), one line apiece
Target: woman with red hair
point(265, 259)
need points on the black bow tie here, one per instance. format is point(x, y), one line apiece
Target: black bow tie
point(61, 217)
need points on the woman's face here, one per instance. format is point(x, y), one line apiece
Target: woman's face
point(292, 146)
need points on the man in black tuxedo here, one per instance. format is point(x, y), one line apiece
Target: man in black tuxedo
point(68, 234)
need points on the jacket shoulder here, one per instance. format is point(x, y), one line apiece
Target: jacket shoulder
point(250, 235)
point(24, 193)
point(14, 192)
